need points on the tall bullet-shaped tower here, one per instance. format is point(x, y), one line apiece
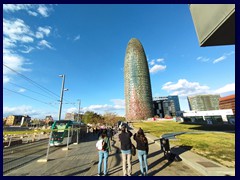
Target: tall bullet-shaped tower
point(137, 85)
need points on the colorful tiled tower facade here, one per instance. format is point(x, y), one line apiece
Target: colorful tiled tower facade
point(137, 85)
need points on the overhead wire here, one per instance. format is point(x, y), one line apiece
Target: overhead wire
point(38, 85)
point(32, 82)
point(31, 90)
point(28, 97)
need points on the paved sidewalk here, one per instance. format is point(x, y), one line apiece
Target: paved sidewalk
point(82, 160)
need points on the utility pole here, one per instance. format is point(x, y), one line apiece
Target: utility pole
point(79, 109)
point(61, 97)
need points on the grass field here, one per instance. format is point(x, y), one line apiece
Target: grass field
point(215, 142)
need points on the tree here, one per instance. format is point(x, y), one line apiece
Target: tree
point(92, 118)
point(112, 118)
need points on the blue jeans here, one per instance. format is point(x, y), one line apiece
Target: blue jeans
point(142, 157)
point(103, 155)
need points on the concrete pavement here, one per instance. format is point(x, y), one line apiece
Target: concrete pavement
point(82, 160)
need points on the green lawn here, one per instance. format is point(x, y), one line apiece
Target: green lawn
point(16, 133)
point(209, 141)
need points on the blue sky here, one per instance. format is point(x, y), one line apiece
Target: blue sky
point(87, 43)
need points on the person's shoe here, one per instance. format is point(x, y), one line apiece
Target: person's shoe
point(98, 174)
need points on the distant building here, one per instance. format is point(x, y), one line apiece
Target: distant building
point(166, 105)
point(48, 120)
point(175, 99)
point(17, 120)
point(73, 116)
point(227, 102)
point(203, 102)
point(4, 120)
point(225, 116)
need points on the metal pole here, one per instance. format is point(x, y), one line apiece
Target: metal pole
point(79, 110)
point(49, 145)
point(61, 97)
point(68, 136)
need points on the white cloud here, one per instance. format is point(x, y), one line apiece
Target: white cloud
point(225, 89)
point(32, 13)
point(43, 10)
point(160, 60)
point(44, 43)
point(13, 61)
point(185, 88)
point(15, 7)
point(28, 49)
point(119, 106)
point(21, 90)
point(39, 35)
point(76, 38)
point(152, 62)
point(6, 79)
point(17, 34)
point(230, 53)
point(219, 59)
point(203, 59)
point(20, 110)
point(16, 31)
point(43, 31)
point(224, 56)
point(72, 110)
point(119, 102)
point(157, 68)
point(31, 9)
point(28, 110)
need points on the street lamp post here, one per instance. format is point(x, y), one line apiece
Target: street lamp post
point(79, 109)
point(61, 97)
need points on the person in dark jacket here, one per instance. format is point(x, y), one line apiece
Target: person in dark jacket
point(142, 147)
point(126, 145)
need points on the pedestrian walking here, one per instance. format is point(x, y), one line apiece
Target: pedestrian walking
point(142, 147)
point(104, 148)
point(126, 144)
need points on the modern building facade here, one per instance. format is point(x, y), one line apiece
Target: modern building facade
point(175, 99)
point(214, 23)
point(17, 120)
point(166, 105)
point(203, 102)
point(227, 102)
point(225, 116)
point(137, 85)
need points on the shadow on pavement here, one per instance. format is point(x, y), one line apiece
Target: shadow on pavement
point(180, 149)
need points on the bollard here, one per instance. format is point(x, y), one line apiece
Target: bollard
point(45, 160)
point(9, 143)
point(77, 136)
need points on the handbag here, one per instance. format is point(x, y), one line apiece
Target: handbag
point(133, 150)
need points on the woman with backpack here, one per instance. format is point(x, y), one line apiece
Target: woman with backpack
point(142, 147)
point(104, 148)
